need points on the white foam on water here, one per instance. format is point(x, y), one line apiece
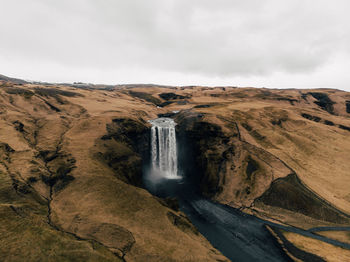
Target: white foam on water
point(163, 149)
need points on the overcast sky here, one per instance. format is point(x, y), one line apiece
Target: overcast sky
point(271, 43)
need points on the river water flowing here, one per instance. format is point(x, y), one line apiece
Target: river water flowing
point(164, 148)
point(240, 237)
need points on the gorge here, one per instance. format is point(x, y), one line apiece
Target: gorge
point(240, 237)
point(159, 173)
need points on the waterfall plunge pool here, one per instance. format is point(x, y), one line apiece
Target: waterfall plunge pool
point(238, 236)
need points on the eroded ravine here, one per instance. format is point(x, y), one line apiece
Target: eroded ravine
point(239, 236)
point(225, 156)
point(230, 231)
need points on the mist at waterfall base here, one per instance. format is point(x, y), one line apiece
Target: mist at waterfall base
point(238, 236)
point(163, 176)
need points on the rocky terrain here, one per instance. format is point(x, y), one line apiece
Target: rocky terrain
point(72, 159)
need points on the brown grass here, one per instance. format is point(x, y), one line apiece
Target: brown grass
point(326, 251)
point(342, 236)
point(318, 153)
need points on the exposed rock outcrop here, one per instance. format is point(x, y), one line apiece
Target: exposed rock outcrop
point(323, 101)
point(289, 193)
point(171, 96)
point(347, 104)
point(236, 172)
point(147, 97)
point(125, 148)
point(71, 155)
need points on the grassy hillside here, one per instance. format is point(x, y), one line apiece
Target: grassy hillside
point(71, 166)
point(60, 191)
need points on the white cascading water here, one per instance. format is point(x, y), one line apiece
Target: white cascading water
point(163, 148)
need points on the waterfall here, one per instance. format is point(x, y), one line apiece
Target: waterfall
point(163, 148)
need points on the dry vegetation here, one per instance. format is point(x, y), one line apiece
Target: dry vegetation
point(60, 189)
point(57, 194)
point(327, 251)
point(342, 236)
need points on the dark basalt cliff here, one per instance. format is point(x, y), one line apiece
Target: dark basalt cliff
point(125, 148)
point(289, 193)
point(72, 161)
point(200, 156)
point(218, 162)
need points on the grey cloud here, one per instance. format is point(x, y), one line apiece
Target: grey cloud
point(211, 38)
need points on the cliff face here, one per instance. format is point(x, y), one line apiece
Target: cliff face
point(72, 159)
point(246, 141)
point(125, 148)
point(71, 169)
point(244, 174)
point(257, 137)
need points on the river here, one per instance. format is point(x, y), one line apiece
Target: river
point(239, 236)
